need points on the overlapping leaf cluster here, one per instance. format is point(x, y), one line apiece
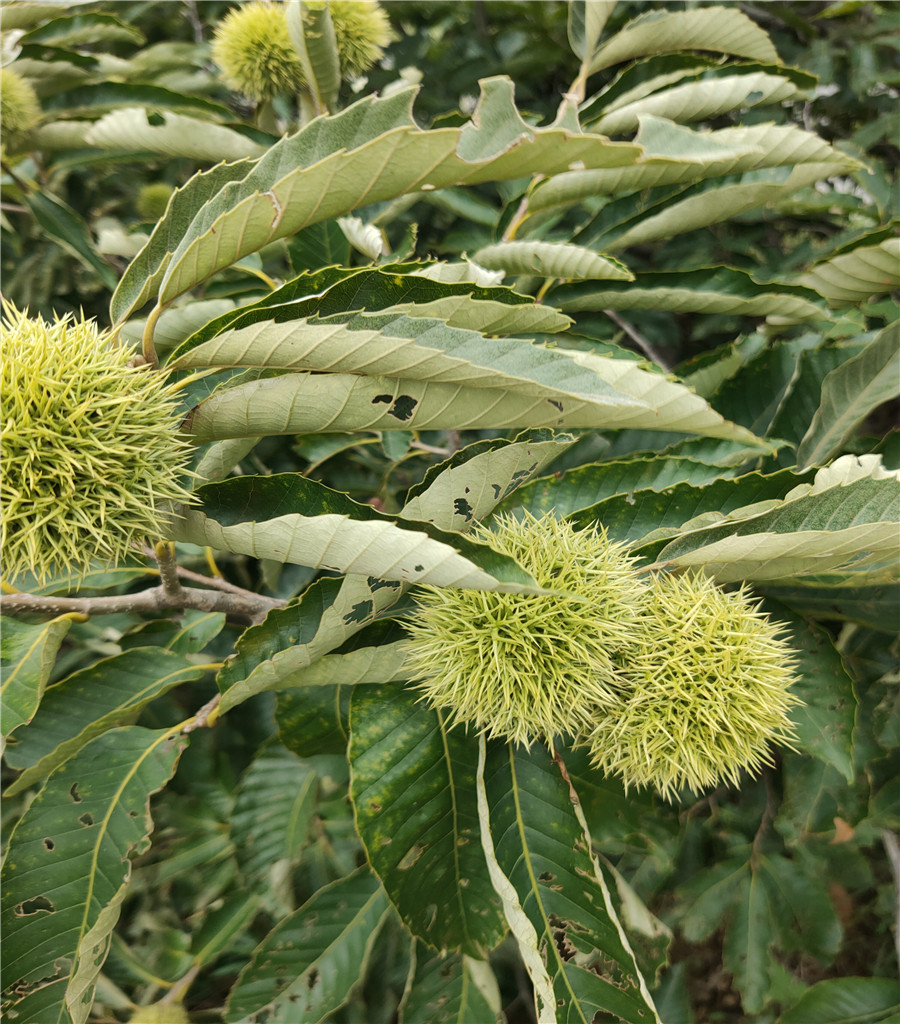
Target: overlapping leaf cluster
point(676, 321)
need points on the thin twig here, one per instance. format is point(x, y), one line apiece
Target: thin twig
point(156, 599)
point(194, 19)
point(649, 351)
point(218, 583)
point(205, 717)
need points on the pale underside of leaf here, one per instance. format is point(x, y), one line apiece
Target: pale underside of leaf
point(487, 316)
point(783, 304)
point(179, 136)
point(849, 393)
point(408, 348)
point(291, 669)
point(857, 275)
point(368, 548)
point(722, 29)
point(389, 159)
point(551, 259)
point(864, 554)
point(743, 149)
point(484, 480)
point(716, 205)
point(305, 403)
point(697, 101)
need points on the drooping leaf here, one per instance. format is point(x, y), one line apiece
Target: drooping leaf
point(380, 663)
point(410, 348)
point(836, 1000)
point(69, 230)
point(857, 275)
point(413, 788)
point(711, 290)
point(75, 30)
point(270, 819)
point(450, 989)
point(825, 720)
point(585, 486)
point(541, 845)
point(701, 100)
point(639, 516)
point(289, 518)
point(751, 933)
point(586, 21)
point(714, 205)
point(845, 523)
point(306, 403)
point(727, 151)
point(169, 134)
point(722, 29)
point(68, 866)
point(799, 392)
point(308, 965)
point(551, 259)
point(806, 916)
point(142, 276)
point(400, 287)
point(849, 393)
point(461, 492)
point(369, 152)
point(90, 702)
point(27, 654)
point(100, 96)
point(312, 33)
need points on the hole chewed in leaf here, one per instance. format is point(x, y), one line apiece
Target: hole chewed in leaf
point(312, 979)
point(86, 819)
point(38, 905)
point(462, 508)
point(74, 794)
point(49, 844)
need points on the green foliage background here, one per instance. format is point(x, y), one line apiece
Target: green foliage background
point(719, 332)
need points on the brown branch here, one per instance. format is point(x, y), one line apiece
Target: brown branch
point(649, 351)
point(156, 599)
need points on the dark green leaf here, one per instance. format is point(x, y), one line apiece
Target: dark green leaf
point(310, 962)
point(413, 787)
point(67, 867)
point(109, 693)
point(27, 654)
point(541, 847)
point(847, 1001)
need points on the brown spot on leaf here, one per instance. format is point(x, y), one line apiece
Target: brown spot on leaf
point(411, 856)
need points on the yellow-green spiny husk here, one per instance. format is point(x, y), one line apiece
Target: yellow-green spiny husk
point(528, 666)
point(153, 199)
point(705, 691)
point(20, 110)
point(253, 47)
point(361, 31)
point(90, 451)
